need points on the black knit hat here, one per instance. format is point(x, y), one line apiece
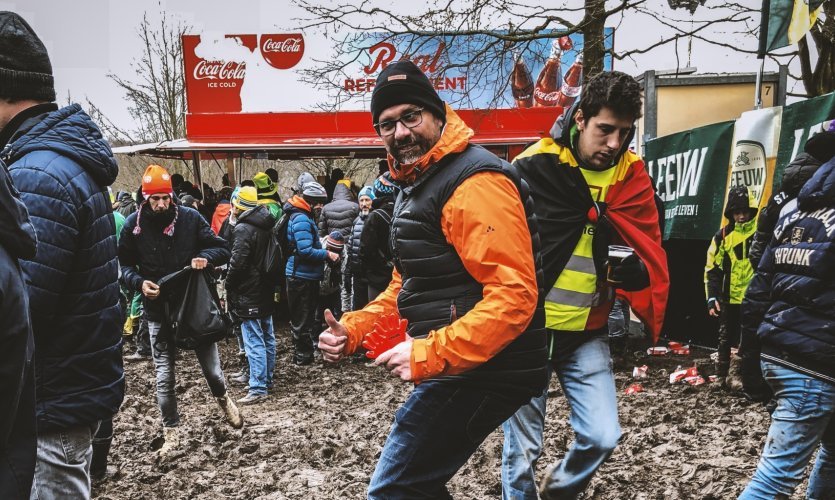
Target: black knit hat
point(404, 83)
point(821, 146)
point(25, 70)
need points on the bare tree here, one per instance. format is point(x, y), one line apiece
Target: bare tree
point(155, 91)
point(475, 22)
point(820, 78)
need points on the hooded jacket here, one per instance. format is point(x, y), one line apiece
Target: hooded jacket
point(18, 440)
point(353, 265)
point(62, 166)
point(790, 303)
point(307, 259)
point(126, 203)
point(250, 294)
point(374, 250)
point(795, 176)
point(728, 270)
point(564, 207)
point(466, 276)
point(339, 214)
point(152, 254)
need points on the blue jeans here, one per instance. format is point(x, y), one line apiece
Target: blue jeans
point(802, 420)
point(63, 466)
point(259, 342)
point(588, 382)
point(436, 430)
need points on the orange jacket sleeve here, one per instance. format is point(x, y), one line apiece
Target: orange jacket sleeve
point(484, 220)
point(358, 323)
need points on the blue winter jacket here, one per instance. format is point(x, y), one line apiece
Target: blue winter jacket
point(790, 303)
point(307, 259)
point(62, 166)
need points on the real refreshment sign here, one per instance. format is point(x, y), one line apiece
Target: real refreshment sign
point(288, 72)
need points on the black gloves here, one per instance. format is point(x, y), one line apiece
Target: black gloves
point(630, 275)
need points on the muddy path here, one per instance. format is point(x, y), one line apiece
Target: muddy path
point(321, 431)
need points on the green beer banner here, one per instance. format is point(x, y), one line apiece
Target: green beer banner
point(689, 170)
point(801, 120)
point(693, 170)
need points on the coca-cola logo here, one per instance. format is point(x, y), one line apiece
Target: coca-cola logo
point(219, 70)
point(282, 51)
point(546, 98)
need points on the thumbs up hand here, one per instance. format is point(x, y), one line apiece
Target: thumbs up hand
point(333, 340)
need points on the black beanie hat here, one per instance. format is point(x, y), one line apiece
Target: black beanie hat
point(821, 146)
point(404, 83)
point(25, 70)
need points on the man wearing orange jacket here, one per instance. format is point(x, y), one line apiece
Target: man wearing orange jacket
point(467, 276)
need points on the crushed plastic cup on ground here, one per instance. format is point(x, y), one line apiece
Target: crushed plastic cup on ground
point(679, 375)
point(697, 380)
point(673, 345)
point(657, 351)
point(640, 371)
point(634, 389)
point(713, 378)
point(681, 351)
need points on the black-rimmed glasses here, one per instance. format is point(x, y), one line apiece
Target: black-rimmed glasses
point(409, 120)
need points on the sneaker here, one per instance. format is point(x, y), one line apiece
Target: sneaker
point(252, 398)
point(239, 378)
point(137, 356)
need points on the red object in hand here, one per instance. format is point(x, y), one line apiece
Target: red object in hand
point(388, 331)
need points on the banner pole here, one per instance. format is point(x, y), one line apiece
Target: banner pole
point(758, 102)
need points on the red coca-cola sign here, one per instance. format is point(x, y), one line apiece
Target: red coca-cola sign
point(213, 82)
point(219, 70)
point(282, 51)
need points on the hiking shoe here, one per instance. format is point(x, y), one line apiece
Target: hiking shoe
point(230, 411)
point(303, 360)
point(252, 398)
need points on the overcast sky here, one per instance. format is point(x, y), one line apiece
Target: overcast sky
point(87, 39)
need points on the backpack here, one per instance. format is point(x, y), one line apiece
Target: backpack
point(193, 314)
point(277, 250)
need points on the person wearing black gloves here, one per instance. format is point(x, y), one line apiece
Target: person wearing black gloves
point(589, 192)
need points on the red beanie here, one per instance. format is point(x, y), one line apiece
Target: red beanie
point(156, 180)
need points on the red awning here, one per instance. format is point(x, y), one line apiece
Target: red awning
point(334, 134)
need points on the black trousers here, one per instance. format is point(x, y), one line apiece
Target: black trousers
point(303, 297)
point(729, 333)
point(360, 294)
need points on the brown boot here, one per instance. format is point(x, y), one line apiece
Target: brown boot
point(172, 442)
point(230, 411)
point(734, 380)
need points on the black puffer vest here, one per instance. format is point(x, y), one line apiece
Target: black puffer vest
point(436, 287)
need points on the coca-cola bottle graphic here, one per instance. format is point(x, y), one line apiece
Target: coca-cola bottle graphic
point(521, 82)
point(572, 85)
point(549, 80)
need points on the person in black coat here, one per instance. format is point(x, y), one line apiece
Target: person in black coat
point(790, 306)
point(18, 438)
point(62, 166)
point(355, 282)
point(375, 253)
point(159, 239)
point(249, 291)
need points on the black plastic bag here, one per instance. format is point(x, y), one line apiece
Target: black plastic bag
point(193, 312)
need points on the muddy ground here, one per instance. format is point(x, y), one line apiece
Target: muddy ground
point(320, 432)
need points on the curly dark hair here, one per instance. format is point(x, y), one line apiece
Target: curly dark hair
point(612, 89)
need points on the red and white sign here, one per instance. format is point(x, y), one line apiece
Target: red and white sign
point(282, 51)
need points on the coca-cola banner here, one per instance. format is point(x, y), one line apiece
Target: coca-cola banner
point(296, 72)
point(694, 170)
